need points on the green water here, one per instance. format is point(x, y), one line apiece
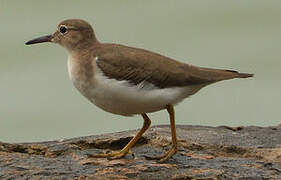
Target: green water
point(38, 101)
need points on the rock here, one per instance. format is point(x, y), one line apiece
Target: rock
point(204, 153)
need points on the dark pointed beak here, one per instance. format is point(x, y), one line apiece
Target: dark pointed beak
point(40, 40)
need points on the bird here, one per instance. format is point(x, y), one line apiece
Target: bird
point(129, 81)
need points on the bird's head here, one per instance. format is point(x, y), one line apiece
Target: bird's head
point(71, 34)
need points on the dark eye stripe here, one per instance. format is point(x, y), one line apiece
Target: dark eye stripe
point(70, 28)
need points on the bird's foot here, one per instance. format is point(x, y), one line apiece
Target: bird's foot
point(166, 156)
point(110, 155)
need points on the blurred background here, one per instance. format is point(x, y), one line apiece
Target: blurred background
point(38, 101)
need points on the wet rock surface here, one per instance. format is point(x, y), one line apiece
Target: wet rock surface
point(204, 153)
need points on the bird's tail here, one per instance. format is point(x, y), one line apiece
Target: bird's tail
point(240, 75)
point(223, 74)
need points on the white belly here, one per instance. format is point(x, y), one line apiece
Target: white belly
point(123, 98)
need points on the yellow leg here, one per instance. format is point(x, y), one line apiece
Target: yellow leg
point(126, 149)
point(174, 148)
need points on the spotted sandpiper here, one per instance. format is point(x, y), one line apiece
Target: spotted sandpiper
point(129, 81)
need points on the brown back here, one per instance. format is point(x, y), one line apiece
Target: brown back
point(137, 65)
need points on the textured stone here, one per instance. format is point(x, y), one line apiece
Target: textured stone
point(204, 153)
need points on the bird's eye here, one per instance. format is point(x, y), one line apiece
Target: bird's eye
point(63, 29)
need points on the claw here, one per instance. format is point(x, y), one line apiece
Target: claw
point(112, 155)
point(169, 154)
point(165, 156)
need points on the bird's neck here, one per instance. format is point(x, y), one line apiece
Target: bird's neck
point(82, 45)
point(81, 68)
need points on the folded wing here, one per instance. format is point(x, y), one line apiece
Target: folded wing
point(137, 66)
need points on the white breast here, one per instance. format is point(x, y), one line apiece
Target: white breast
point(80, 81)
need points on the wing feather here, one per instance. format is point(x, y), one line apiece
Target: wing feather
point(137, 65)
